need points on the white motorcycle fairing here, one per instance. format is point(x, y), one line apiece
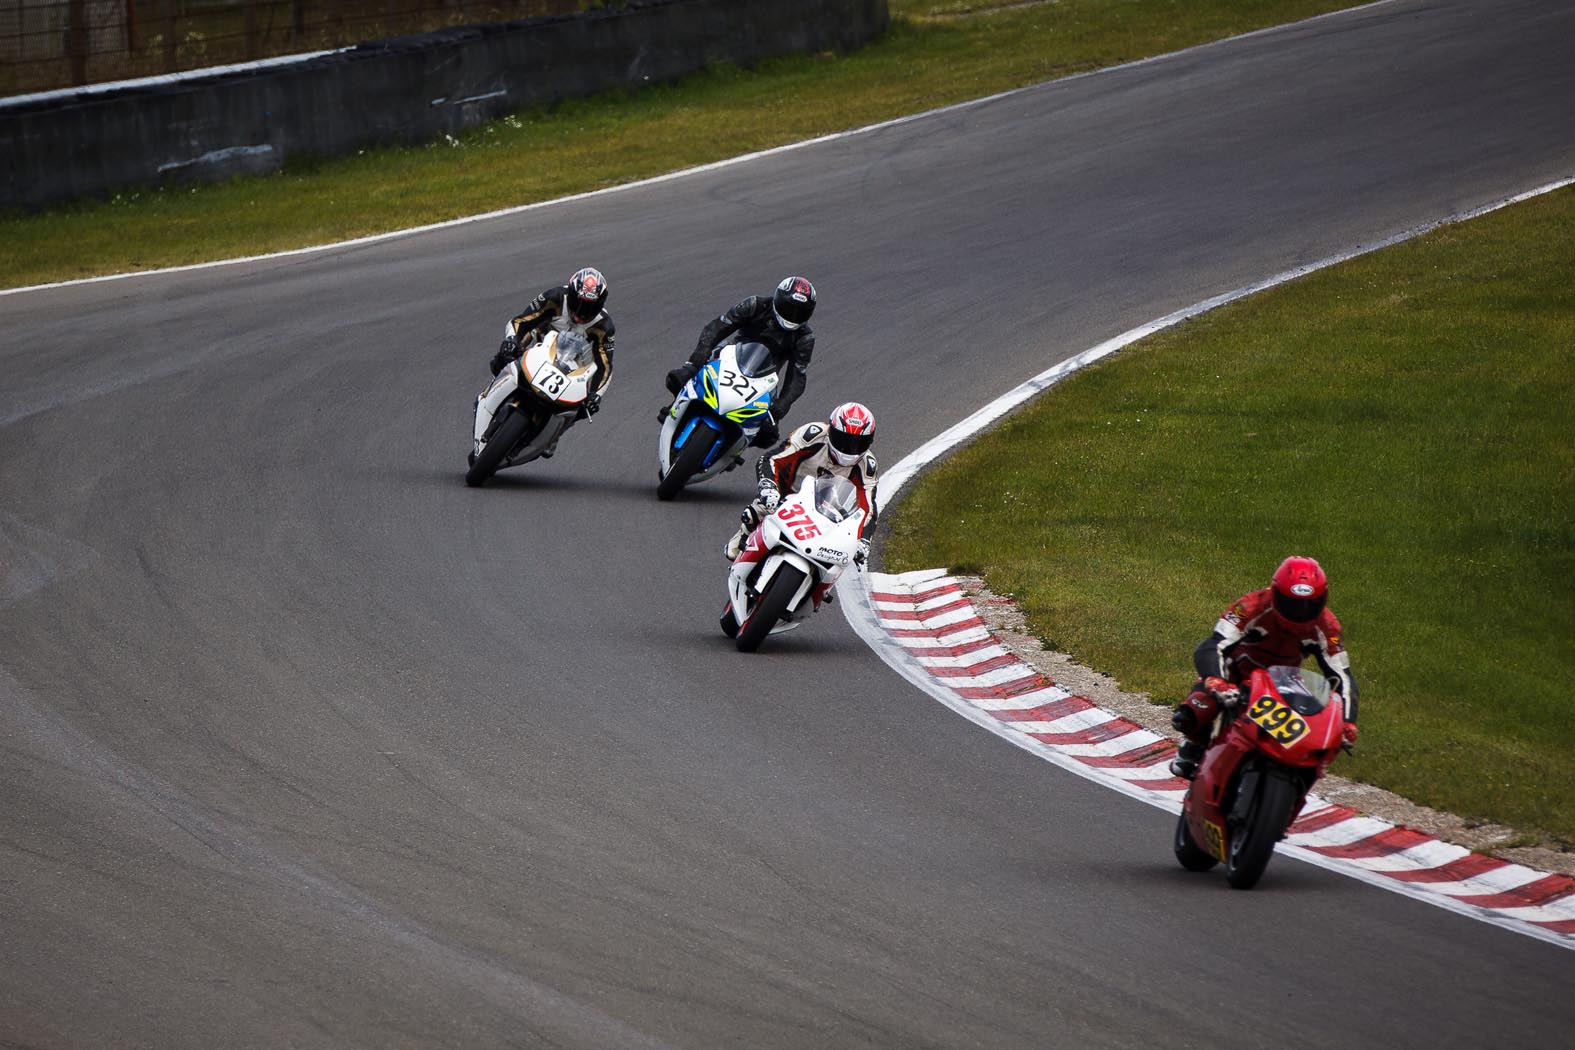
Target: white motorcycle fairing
point(816, 532)
point(556, 374)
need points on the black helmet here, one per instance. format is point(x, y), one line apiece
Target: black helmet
point(793, 302)
point(587, 295)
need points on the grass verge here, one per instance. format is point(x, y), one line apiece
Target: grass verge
point(935, 53)
point(1407, 417)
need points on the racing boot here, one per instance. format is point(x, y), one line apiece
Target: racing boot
point(735, 545)
point(1194, 719)
point(1188, 755)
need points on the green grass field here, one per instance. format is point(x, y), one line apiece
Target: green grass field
point(935, 53)
point(1408, 418)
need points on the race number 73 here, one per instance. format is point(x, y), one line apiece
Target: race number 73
point(1279, 721)
point(795, 517)
point(550, 381)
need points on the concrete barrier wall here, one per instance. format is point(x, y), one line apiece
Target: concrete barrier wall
point(406, 90)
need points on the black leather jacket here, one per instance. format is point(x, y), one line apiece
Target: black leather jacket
point(753, 321)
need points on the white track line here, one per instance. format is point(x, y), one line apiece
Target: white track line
point(657, 180)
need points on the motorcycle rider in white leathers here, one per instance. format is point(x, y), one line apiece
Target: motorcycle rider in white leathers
point(573, 307)
point(838, 446)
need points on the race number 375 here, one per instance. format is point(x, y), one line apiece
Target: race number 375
point(796, 518)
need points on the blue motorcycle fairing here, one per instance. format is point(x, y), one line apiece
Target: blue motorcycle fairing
point(695, 420)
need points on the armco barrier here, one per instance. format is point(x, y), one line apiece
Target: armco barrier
point(408, 90)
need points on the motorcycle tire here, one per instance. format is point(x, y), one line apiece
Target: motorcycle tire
point(504, 437)
point(729, 622)
point(769, 609)
point(1252, 844)
point(686, 464)
point(1192, 856)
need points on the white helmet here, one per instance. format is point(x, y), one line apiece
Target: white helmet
point(852, 429)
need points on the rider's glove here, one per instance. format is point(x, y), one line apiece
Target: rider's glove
point(679, 376)
point(506, 353)
point(1350, 737)
point(862, 555)
point(593, 405)
point(751, 516)
point(767, 435)
point(770, 498)
point(1228, 695)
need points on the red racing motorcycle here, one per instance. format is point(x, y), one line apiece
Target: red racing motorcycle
point(1255, 776)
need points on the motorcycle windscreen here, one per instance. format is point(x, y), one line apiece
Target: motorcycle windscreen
point(835, 497)
point(572, 352)
point(1304, 693)
point(755, 360)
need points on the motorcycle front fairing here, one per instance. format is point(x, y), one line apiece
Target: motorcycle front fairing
point(816, 531)
point(726, 403)
point(1289, 721)
point(552, 377)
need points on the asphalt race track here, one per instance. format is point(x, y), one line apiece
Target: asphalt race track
point(307, 745)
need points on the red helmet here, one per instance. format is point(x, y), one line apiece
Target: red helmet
point(587, 294)
point(852, 429)
point(1300, 589)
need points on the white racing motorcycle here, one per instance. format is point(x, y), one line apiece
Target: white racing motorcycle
point(530, 403)
point(793, 558)
point(714, 417)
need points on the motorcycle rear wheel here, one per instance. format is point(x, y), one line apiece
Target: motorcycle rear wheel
point(1252, 844)
point(499, 444)
point(769, 609)
point(1192, 856)
point(685, 465)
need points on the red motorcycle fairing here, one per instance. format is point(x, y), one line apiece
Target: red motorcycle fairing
point(754, 549)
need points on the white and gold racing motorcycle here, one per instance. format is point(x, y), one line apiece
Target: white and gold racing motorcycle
point(531, 403)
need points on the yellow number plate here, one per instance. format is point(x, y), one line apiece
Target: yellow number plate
point(1216, 839)
point(1282, 724)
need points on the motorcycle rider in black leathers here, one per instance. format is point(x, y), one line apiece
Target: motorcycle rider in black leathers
point(780, 322)
point(578, 307)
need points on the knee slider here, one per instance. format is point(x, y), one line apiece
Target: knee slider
point(1183, 719)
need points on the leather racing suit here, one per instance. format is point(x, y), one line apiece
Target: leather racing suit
point(1251, 634)
point(754, 321)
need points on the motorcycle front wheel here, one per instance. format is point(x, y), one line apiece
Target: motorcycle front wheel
point(1252, 844)
point(1191, 856)
point(685, 465)
point(503, 438)
point(769, 609)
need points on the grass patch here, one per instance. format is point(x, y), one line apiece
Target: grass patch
point(1408, 418)
point(935, 53)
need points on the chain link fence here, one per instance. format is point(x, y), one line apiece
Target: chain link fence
point(47, 44)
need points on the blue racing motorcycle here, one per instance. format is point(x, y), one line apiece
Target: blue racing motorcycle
point(714, 417)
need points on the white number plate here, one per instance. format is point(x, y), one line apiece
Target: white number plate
point(550, 381)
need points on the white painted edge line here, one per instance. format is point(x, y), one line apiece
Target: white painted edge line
point(866, 622)
point(698, 169)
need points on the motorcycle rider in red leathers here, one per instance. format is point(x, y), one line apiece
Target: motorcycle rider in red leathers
point(838, 446)
point(1275, 627)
